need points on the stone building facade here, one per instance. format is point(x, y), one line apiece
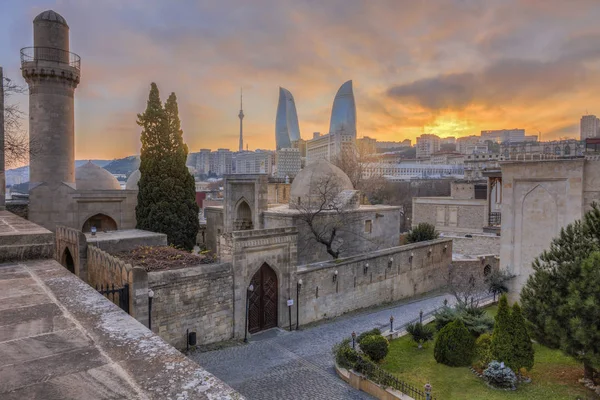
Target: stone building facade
point(539, 198)
point(465, 211)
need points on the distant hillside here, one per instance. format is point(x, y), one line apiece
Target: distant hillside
point(123, 165)
point(21, 175)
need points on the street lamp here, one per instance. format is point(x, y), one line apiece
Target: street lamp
point(298, 287)
point(390, 262)
point(248, 293)
point(366, 268)
point(335, 274)
point(428, 388)
point(391, 323)
point(150, 296)
point(353, 340)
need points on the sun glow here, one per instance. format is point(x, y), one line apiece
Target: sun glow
point(450, 124)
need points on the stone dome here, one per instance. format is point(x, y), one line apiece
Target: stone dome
point(52, 16)
point(305, 186)
point(92, 177)
point(132, 181)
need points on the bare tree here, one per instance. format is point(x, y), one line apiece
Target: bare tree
point(16, 142)
point(467, 288)
point(359, 165)
point(329, 215)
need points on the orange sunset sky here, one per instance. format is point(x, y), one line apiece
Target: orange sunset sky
point(450, 67)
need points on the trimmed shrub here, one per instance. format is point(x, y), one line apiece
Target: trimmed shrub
point(483, 350)
point(421, 233)
point(363, 335)
point(476, 320)
point(455, 346)
point(375, 346)
point(420, 333)
point(500, 376)
point(344, 355)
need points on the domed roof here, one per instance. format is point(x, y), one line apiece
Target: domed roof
point(50, 15)
point(132, 181)
point(92, 177)
point(310, 180)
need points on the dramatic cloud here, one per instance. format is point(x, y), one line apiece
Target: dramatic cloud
point(452, 67)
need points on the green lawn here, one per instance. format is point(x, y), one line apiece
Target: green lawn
point(554, 375)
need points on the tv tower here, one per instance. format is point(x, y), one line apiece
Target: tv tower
point(241, 117)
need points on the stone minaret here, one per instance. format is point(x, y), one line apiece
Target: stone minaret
point(241, 116)
point(52, 73)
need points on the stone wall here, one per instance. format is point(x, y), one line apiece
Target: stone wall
point(448, 214)
point(278, 193)
point(367, 280)
point(466, 267)
point(197, 298)
point(214, 227)
point(365, 229)
point(104, 269)
point(538, 199)
point(475, 245)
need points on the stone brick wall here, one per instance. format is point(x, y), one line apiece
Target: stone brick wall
point(392, 274)
point(448, 214)
point(104, 269)
point(197, 298)
point(475, 245)
point(214, 227)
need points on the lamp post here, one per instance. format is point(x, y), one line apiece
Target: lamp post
point(391, 323)
point(421, 317)
point(298, 287)
point(353, 340)
point(428, 388)
point(150, 296)
point(248, 293)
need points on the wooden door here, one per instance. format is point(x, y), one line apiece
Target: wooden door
point(262, 307)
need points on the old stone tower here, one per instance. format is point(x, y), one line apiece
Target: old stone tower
point(52, 73)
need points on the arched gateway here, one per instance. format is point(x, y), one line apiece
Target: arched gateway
point(262, 307)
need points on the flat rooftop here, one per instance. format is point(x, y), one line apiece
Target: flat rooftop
point(110, 236)
point(60, 339)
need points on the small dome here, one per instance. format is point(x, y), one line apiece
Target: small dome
point(308, 181)
point(92, 177)
point(132, 181)
point(53, 16)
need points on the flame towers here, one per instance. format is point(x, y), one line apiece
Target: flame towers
point(343, 113)
point(287, 129)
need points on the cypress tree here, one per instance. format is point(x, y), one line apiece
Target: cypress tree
point(502, 344)
point(522, 348)
point(166, 197)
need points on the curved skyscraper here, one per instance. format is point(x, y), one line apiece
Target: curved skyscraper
point(287, 129)
point(343, 113)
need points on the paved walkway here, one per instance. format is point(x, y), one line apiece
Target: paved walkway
point(298, 365)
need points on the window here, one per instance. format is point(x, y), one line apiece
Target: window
point(487, 270)
point(368, 226)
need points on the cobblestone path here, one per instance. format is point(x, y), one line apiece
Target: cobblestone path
point(298, 365)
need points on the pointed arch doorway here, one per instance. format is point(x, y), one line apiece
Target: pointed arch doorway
point(262, 307)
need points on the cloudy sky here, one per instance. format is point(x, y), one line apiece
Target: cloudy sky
point(451, 67)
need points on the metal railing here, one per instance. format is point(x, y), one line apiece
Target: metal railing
point(386, 379)
point(32, 54)
point(495, 219)
point(119, 295)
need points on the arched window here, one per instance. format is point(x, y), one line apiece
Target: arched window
point(102, 222)
point(67, 261)
point(487, 270)
point(567, 150)
point(243, 217)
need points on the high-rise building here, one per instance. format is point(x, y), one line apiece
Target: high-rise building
point(288, 162)
point(221, 162)
point(343, 112)
point(287, 129)
point(254, 162)
point(427, 144)
point(589, 127)
point(504, 135)
point(300, 144)
point(328, 147)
